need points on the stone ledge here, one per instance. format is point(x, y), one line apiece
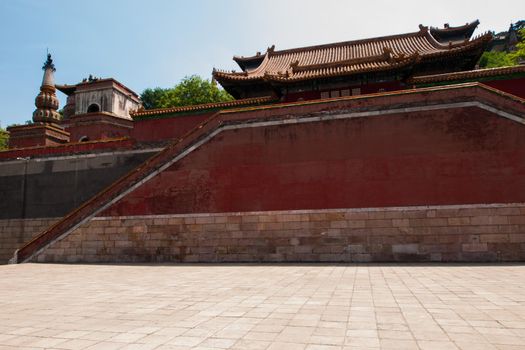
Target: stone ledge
point(507, 209)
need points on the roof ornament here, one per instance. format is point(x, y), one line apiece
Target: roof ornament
point(271, 49)
point(400, 57)
point(46, 101)
point(423, 29)
point(387, 53)
point(90, 79)
point(294, 65)
point(416, 56)
point(48, 64)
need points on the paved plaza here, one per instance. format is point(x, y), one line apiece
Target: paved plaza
point(289, 307)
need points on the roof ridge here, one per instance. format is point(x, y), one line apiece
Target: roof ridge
point(341, 43)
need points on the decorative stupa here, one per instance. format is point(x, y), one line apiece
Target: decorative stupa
point(46, 129)
point(47, 102)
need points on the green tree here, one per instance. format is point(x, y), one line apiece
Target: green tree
point(518, 56)
point(192, 90)
point(153, 98)
point(493, 59)
point(4, 138)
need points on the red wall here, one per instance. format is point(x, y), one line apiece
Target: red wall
point(98, 131)
point(34, 141)
point(513, 86)
point(152, 130)
point(455, 156)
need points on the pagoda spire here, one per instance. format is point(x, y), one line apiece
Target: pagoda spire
point(47, 102)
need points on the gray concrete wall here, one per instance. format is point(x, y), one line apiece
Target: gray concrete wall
point(52, 187)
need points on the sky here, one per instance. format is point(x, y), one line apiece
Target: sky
point(156, 43)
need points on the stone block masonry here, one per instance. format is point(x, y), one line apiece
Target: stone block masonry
point(15, 232)
point(460, 233)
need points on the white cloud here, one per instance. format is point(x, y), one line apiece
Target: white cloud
point(292, 23)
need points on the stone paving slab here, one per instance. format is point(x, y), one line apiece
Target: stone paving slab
point(262, 307)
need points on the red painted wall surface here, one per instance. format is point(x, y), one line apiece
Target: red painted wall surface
point(98, 131)
point(456, 156)
point(154, 130)
point(25, 142)
point(513, 86)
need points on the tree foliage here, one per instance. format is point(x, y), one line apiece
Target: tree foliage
point(4, 138)
point(493, 59)
point(518, 56)
point(192, 90)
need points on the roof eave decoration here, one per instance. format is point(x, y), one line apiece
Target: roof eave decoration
point(244, 62)
point(449, 33)
point(233, 75)
point(258, 59)
point(478, 42)
point(463, 28)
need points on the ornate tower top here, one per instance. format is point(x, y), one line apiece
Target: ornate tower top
point(49, 63)
point(47, 102)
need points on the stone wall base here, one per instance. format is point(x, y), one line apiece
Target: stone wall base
point(15, 232)
point(468, 233)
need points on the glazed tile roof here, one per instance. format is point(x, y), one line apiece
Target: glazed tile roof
point(201, 107)
point(472, 74)
point(347, 58)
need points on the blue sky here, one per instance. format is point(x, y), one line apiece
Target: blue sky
point(158, 42)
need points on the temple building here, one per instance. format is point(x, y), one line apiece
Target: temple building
point(355, 67)
point(396, 148)
point(98, 109)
